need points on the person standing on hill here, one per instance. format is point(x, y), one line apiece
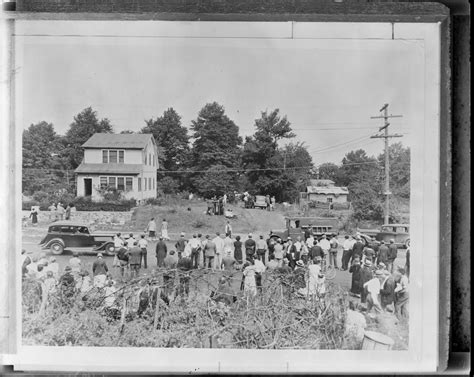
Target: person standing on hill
point(346, 252)
point(34, 216)
point(326, 246)
point(52, 212)
point(164, 230)
point(68, 212)
point(160, 251)
point(228, 229)
point(278, 253)
point(356, 284)
point(151, 229)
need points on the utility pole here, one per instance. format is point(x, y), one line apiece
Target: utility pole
point(386, 136)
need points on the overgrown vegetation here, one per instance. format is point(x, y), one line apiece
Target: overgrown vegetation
point(274, 319)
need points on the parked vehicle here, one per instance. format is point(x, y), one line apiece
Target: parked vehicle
point(260, 202)
point(296, 226)
point(398, 232)
point(75, 236)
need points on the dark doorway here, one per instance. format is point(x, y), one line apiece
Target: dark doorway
point(87, 186)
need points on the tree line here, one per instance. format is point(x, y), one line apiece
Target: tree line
point(211, 158)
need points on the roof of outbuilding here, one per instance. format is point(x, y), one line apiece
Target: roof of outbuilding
point(321, 182)
point(122, 141)
point(327, 190)
point(109, 168)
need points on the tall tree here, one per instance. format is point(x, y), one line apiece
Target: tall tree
point(216, 138)
point(85, 124)
point(43, 165)
point(41, 144)
point(328, 170)
point(171, 137)
point(261, 158)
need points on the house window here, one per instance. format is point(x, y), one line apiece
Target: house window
point(153, 160)
point(129, 184)
point(149, 183)
point(329, 200)
point(149, 158)
point(145, 183)
point(113, 156)
point(145, 158)
point(153, 181)
point(103, 182)
point(112, 182)
point(139, 184)
point(121, 183)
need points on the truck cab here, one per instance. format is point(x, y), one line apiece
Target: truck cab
point(296, 226)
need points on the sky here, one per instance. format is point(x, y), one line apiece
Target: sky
point(327, 88)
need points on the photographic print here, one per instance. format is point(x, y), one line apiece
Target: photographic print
point(230, 186)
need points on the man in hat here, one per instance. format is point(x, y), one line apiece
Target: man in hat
point(357, 248)
point(333, 251)
point(262, 249)
point(209, 253)
point(325, 245)
point(99, 271)
point(315, 251)
point(228, 229)
point(228, 244)
point(185, 265)
point(160, 251)
point(392, 255)
point(219, 242)
point(346, 252)
point(387, 291)
point(170, 263)
point(151, 229)
point(195, 248)
point(369, 253)
point(292, 254)
point(143, 245)
point(356, 271)
point(250, 246)
point(278, 252)
point(372, 287)
point(135, 259)
point(365, 275)
point(401, 293)
point(383, 253)
point(180, 245)
point(67, 285)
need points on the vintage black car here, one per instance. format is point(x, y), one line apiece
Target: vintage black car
point(75, 236)
point(296, 226)
point(400, 233)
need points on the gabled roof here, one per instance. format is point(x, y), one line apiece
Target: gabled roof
point(122, 141)
point(321, 182)
point(328, 190)
point(109, 168)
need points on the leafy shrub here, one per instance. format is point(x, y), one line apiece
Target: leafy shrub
point(85, 204)
point(154, 201)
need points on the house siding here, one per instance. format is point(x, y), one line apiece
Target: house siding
point(146, 157)
point(341, 198)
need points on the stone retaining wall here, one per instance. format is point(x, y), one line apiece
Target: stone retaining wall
point(108, 219)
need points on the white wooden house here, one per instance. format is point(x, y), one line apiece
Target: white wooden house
point(127, 162)
point(324, 191)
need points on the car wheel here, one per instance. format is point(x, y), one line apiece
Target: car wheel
point(56, 248)
point(110, 250)
point(407, 243)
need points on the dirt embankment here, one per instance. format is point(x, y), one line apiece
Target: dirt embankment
point(190, 217)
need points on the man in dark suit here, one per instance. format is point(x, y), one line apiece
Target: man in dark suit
point(161, 251)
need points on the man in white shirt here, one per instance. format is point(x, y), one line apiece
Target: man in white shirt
point(310, 241)
point(373, 287)
point(143, 245)
point(194, 245)
point(325, 245)
point(219, 242)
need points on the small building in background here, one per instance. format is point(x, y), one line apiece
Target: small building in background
point(123, 162)
point(324, 192)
